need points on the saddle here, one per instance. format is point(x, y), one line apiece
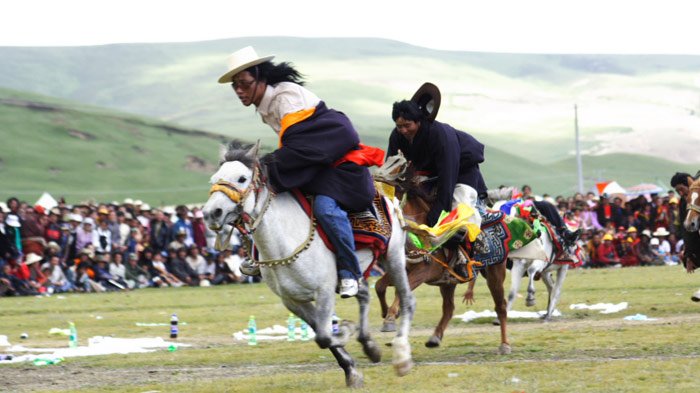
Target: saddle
point(371, 228)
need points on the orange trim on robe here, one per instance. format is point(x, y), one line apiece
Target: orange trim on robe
point(291, 119)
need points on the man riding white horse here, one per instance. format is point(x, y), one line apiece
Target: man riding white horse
point(319, 151)
point(449, 157)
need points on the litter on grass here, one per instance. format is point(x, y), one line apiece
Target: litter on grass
point(605, 308)
point(274, 333)
point(639, 317)
point(97, 345)
point(472, 315)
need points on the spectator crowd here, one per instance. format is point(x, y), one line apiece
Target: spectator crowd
point(109, 247)
point(617, 231)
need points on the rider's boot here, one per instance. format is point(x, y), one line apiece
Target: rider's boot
point(334, 220)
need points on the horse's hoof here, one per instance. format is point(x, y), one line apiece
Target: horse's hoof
point(372, 351)
point(354, 380)
point(403, 368)
point(496, 322)
point(504, 349)
point(433, 342)
point(388, 327)
point(530, 302)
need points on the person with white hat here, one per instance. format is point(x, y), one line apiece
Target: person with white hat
point(8, 235)
point(319, 150)
point(84, 233)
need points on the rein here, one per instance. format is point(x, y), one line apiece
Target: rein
point(247, 224)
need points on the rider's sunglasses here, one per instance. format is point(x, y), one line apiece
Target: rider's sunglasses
point(242, 84)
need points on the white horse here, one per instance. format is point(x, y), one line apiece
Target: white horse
point(296, 264)
point(541, 267)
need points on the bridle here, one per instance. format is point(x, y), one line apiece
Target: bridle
point(246, 224)
point(692, 206)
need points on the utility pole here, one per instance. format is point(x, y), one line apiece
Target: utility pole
point(579, 165)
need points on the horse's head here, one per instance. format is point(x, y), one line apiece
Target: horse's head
point(692, 220)
point(393, 172)
point(230, 195)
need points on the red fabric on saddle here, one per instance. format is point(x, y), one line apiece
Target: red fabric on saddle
point(374, 241)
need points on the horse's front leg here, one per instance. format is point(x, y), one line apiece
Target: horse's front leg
point(531, 273)
point(448, 307)
point(496, 275)
point(369, 346)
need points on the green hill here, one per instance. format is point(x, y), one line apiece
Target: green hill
point(87, 153)
point(521, 103)
point(83, 152)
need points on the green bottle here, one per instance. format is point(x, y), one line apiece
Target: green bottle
point(291, 327)
point(73, 337)
point(252, 331)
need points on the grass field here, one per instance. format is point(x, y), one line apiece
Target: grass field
point(580, 351)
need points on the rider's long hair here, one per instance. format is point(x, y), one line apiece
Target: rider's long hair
point(273, 74)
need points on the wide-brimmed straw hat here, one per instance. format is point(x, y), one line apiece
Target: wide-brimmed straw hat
point(661, 231)
point(240, 60)
point(428, 99)
point(32, 258)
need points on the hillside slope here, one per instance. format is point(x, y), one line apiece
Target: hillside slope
point(633, 104)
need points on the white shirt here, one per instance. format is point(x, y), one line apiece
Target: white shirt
point(282, 99)
point(117, 270)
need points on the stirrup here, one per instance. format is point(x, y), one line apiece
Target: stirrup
point(249, 268)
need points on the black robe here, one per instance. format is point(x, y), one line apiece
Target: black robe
point(307, 156)
point(450, 155)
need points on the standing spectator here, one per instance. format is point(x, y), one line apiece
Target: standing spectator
point(160, 231)
point(199, 229)
point(84, 233)
point(8, 247)
point(124, 228)
point(52, 230)
point(113, 225)
point(183, 223)
point(32, 231)
point(102, 237)
point(70, 243)
point(589, 218)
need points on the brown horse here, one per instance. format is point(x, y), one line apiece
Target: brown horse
point(430, 269)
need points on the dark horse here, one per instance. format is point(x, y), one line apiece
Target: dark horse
point(429, 269)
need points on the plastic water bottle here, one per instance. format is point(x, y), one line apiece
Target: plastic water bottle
point(73, 336)
point(291, 327)
point(252, 331)
point(335, 328)
point(5, 357)
point(304, 331)
point(174, 329)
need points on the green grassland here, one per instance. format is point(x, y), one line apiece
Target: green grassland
point(582, 351)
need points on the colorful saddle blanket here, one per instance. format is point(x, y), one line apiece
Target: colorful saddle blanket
point(371, 229)
point(491, 246)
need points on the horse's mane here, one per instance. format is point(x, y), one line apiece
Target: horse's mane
point(237, 151)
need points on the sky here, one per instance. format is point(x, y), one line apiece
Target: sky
point(516, 26)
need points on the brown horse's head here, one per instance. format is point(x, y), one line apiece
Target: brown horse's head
point(401, 174)
point(692, 220)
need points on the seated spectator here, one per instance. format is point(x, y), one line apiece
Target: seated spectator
point(194, 258)
point(160, 274)
point(83, 234)
point(224, 274)
point(664, 245)
point(103, 277)
point(58, 281)
point(136, 276)
point(116, 268)
point(606, 256)
point(37, 279)
point(180, 239)
point(645, 254)
point(179, 267)
point(206, 271)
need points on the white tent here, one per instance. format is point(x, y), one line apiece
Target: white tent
point(610, 188)
point(47, 201)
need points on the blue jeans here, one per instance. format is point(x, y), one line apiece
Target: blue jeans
point(334, 221)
